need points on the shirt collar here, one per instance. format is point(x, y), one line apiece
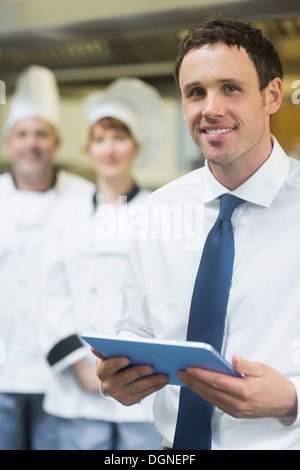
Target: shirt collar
point(13, 188)
point(97, 200)
point(262, 187)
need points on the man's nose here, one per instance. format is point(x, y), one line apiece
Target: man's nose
point(32, 140)
point(213, 106)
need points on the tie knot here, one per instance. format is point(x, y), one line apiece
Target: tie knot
point(228, 203)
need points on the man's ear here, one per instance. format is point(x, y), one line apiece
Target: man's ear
point(7, 143)
point(274, 93)
point(58, 142)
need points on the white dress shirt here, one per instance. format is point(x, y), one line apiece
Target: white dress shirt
point(263, 317)
point(26, 217)
point(83, 294)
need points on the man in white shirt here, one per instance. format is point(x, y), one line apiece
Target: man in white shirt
point(230, 82)
point(33, 197)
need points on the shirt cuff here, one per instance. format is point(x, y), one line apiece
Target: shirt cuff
point(296, 383)
point(104, 394)
point(66, 352)
point(109, 397)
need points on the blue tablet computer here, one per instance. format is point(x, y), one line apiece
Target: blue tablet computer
point(165, 356)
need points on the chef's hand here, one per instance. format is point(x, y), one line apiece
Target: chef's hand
point(86, 376)
point(262, 392)
point(128, 385)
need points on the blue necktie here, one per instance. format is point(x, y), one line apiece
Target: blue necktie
point(206, 322)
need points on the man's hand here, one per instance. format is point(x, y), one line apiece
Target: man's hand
point(128, 385)
point(263, 392)
point(86, 376)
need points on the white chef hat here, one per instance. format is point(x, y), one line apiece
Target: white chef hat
point(139, 106)
point(36, 95)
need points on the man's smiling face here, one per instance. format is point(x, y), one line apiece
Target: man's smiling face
point(226, 112)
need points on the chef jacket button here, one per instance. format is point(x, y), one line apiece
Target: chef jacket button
point(94, 290)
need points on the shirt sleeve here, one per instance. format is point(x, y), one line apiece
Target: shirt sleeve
point(135, 320)
point(296, 383)
point(60, 342)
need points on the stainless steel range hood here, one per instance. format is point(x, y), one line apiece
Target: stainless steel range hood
point(92, 41)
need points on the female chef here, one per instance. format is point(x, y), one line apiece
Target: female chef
point(86, 271)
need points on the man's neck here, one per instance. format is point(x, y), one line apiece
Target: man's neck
point(234, 174)
point(38, 183)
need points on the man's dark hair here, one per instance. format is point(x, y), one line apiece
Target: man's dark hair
point(234, 33)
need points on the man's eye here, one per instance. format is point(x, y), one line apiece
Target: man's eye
point(231, 88)
point(197, 92)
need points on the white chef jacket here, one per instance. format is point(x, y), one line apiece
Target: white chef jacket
point(83, 294)
point(26, 216)
point(263, 317)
